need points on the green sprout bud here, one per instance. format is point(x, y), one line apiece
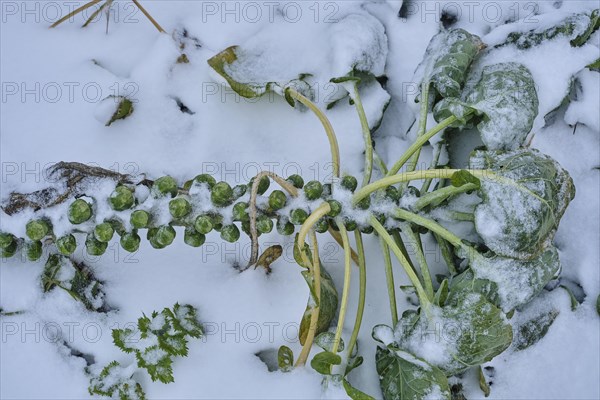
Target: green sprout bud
point(165, 185)
point(333, 225)
point(365, 203)
point(296, 180)
point(349, 183)
point(263, 185)
point(240, 212)
point(10, 250)
point(179, 207)
point(327, 190)
point(151, 236)
point(264, 224)
point(336, 208)
point(230, 233)
point(140, 219)
point(412, 191)
point(66, 245)
point(313, 190)
point(193, 238)
point(239, 191)
point(298, 216)
point(6, 239)
point(37, 229)
point(33, 250)
point(203, 224)
point(350, 224)
point(104, 232)
point(95, 247)
point(246, 228)
point(118, 226)
point(121, 199)
point(367, 229)
point(79, 211)
point(199, 179)
point(130, 241)
point(222, 194)
point(285, 227)
point(392, 193)
point(277, 200)
point(165, 235)
point(322, 225)
point(381, 218)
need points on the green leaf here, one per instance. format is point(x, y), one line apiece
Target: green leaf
point(325, 341)
point(123, 109)
point(298, 255)
point(323, 361)
point(522, 209)
point(442, 294)
point(285, 358)
point(464, 177)
point(353, 363)
point(502, 104)
point(354, 393)
point(483, 385)
point(402, 376)
point(533, 330)
point(157, 362)
point(327, 307)
point(116, 381)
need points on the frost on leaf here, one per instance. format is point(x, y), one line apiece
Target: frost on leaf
point(327, 306)
point(116, 381)
point(522, 206)
point(504, 104)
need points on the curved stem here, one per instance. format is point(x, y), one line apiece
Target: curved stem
point(422, 124)
point(431, 225)
point(425, 275)
point(379, 162)
point(346, 288)
point(366, 135)
point(338, 238)
point(312, 219)
point(314, 318)
point(434, 163)
point(333, 144)
point(389, 278)
point(362, 288)
point(398, 253)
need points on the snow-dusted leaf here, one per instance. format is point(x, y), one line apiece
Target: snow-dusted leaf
point(323, 361)
point(325, 341)
point(327, 306)
point(157, 362)
point(285, 358)
point(402, 376)
point(503, 105)
point(117, 382)
point(533, 330)
point(521, 211)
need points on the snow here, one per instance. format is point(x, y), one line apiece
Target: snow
point(234, 139)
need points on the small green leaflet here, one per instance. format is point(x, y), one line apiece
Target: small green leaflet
point(328, 304)
point(285, 358)
point(532, 331)
point(117, 382)
point(464, 177)
point(323, 361)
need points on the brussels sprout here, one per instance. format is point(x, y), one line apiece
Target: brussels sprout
point(246, 228)
point(392, 193)
point(9, 250)
point(33, 250)
point(313, 190)
point(79, 211)
point(66, 245)
point(121, 198)
point(151, 236)
point(336, 208)
point(165, 235)
point(412, 191)
point(285, 227)
point(264, 224)
point(263, 185)
point(333, 225)
point(239, 212)
point(6, 239)
point(230, 233)
point(37, 229)
point(222, 194)
point(95, 247)
point(140, 219)
point(202, 178)
point(239, 191)
point(349, 183)
point(179, 207)
point(298, 216)
point(366, 229)
point(322, 225)
point(165, 185)
point(277, 200)
point(130, 241)
point(203, 224)
point(350, 224)
point(365, 203)
point(296, 180)
point(118, 226)
point(327, 190)
point(193, 238)
point(104, 232)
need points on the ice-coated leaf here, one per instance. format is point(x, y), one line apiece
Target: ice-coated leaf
point(533, 330)
point(285, 358)
point(521, 210)
point(402, 376)
point(503, 104)
point(576, 27)
point(328, 305)
point(323, 361)
point(325, 341)
point(447, 60)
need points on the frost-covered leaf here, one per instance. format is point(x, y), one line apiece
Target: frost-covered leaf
point(463, 177)
point(533, 330)
point(325, 341)
point(520, 211)
point(503, 104)
point(327, 307)
point(285, 358)
point(323, 361)
point(157, 362)
point(122, 338)
point(117, 382)
point(402, 376)
point(354, 393)
point(184, 319)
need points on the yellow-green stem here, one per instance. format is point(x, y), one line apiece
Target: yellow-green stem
point(366, 136)
point(422, 124)
point(389, 277)
point(426, 276)
point(346, 287)
point(362, 288)
point(312, 219)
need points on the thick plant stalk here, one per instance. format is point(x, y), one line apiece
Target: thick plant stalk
point(422, 124)
point(75, 12)
point(147, 14)
point(389, 277)
point(345, 290)
point(362, 289)
point(425, 275)
point(442, 194)
point(431, 225)
point(314, 318)
point(366, 135)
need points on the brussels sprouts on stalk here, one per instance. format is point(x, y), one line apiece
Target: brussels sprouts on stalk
point(350, 224)
point(95, 247)
point(33, 250)
point(179, 207)
point(392, 193)
point(298, 216)
point(365, 203)
point(140, 219)
point(264, 224)
point(165, 235)
point(37, 229)
point(221, 194)
point(263, 185)
point(349, 182)
point(277, 200)
point(296, 180)
point(322, 225)
point(239, 191)
point(130, 241)
point(203, 224)
point(6, 239)
point(104, 232)
point(336, 208)
point(151, 236)
point(165, 185)
point(313, 190)
point(193, 238)
point(66, 245)
point(199, 179)
point(366, 229)
point(79, 211)
point(9, 250)
point(285, 227)
point(240, 212)
point(230, 233)
point(121, 198)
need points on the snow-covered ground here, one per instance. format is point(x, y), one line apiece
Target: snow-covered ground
point(52, 84)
